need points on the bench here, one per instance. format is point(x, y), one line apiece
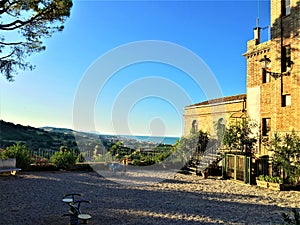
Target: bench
point(8, 166)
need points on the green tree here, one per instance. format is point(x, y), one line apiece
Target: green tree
point(286, 154)
point(64, 159)
point(28, 22)
point(187, 146)
point(118, 150)
point(239, 136)
point(203, 139)
point(19, 152)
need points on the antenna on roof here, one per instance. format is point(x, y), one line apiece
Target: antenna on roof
point(258, 14)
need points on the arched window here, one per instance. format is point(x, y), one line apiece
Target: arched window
point(194, 126)
point(221, 128)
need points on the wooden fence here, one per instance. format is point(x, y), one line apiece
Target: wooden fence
point(42, 153)
point(237, 167)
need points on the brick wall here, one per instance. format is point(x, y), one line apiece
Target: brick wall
point(285, 32)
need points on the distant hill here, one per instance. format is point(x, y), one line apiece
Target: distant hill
point(52, 138)
point(34, 138)
point(60, 130)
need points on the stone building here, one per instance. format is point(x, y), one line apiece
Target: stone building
point(205, 115)
point(273, 81)
point(273, 91)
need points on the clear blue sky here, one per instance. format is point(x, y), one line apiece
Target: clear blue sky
point(216, 31)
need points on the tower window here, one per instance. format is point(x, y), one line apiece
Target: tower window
point(286, 57)
point(286, 100)
point(266, 126)
point(286, 7)
point(265, 76)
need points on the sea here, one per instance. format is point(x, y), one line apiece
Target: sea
point(154, 139)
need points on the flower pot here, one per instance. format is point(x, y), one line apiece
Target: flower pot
point(261, 183)
point(275, 186)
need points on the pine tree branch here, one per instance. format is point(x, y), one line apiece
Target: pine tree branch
point(11, 43)
point(7, 56)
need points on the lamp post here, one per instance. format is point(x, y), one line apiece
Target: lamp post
point(266, 64)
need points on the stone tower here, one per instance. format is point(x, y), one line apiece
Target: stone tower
point(273, 91)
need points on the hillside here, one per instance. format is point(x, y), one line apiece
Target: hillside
point(34, 138)
point(45, 141)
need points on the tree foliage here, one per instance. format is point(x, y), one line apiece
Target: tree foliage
point(239, 136)
point(24, 24)
point(64, 159)
point(286, 156)
point(187, 146)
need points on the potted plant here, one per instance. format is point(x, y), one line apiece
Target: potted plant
point(261, 182)
point(275, 183)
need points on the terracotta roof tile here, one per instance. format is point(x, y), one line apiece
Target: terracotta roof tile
point(221, 100)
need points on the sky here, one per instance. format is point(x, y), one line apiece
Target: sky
point(130, 67)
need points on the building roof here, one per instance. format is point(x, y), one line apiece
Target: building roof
point(224, 100)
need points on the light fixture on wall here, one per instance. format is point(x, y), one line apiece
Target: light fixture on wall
point(266, 64)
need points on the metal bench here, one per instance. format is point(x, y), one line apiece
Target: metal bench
point(75, 214)
point(8, 166)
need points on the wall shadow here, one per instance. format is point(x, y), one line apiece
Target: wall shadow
point(35, 198)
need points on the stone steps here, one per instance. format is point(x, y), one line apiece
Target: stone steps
point(197, 167)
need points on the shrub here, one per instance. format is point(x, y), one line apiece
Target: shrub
point(64, 159)
point(292, 220)
point(267, 178)
point(261, 178)
point(270, 179)
point(19, 152)
point(187, 146)
point(276, 180)
point(239, 135)
point(286, 151)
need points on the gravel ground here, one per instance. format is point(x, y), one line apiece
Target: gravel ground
point(35, 198)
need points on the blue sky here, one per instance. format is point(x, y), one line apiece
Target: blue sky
point(216, 31)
